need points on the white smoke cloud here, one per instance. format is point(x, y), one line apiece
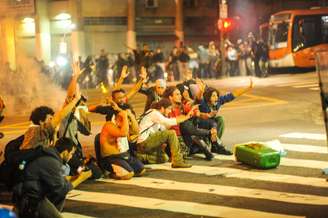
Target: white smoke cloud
point(28, 88)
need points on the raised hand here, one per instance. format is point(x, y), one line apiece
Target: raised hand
point(76, 69)
point(125, 73)
point(143, 73)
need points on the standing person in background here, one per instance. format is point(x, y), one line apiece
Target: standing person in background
point(158, 60)
point(173, 63)
point(102, 64)
point(214, 56)
point(232, 57)
point(242, 57)
point(183, 63)
point(203, 62)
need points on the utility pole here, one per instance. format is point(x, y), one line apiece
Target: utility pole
point(223, 13)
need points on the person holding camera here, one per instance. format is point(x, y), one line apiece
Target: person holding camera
point(43, 188)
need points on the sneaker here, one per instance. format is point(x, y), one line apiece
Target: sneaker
point(208, 155)
point(181, 165)
point(222, 150)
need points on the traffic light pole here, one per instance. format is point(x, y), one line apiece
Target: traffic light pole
point(222, 51)
point(223, 12)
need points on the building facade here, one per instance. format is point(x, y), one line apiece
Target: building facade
point(47, 28)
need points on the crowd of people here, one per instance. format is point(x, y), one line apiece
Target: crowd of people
point(248, 57)
point(47, 161)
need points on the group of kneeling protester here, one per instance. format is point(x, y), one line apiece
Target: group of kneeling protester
point(45, 163)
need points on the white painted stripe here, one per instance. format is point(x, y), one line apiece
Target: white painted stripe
point(246, 174)
point(222, 190)
point(74, 215)
point(306, 86)
point(315, 89)
point(290, 162)
point(169, 205)
point(294, 84)
point(305, 148)
point(65, 214)
point(303, 135)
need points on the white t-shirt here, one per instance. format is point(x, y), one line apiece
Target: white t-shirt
point(153, 122)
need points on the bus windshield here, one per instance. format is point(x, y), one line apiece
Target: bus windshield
point(309, 30)
point(278, 35)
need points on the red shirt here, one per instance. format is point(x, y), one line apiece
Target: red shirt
point(177, 111)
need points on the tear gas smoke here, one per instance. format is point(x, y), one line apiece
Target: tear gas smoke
point(26, 88)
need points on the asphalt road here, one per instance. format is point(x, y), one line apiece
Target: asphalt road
point(282, 109)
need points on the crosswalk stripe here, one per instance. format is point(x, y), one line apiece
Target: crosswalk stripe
point(295, 84)
point(303, 135)
point(73, 215)
point(315, 89)
point(222, 190)
point(305, 148)
point(65, 214)
point(170, 205)
point(246, 174)
point(306, 86)
point(290, 162)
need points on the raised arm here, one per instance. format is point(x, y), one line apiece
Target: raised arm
point(73, 85)
point(124, 74)
point(135, 89)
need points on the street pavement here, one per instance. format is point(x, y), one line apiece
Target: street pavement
point(283, 110)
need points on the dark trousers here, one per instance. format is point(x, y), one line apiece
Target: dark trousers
point(125, 160)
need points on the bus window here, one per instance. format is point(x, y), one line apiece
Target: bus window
point(278, 35)
point(309, 31)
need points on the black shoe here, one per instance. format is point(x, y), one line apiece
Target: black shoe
point(222, 150)
point(203, 147)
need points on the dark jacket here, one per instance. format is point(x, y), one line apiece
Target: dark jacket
point(151, 96)
point(43, 177)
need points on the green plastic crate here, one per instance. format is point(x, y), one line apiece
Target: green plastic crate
point(257, 155)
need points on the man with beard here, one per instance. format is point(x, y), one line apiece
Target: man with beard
point(154, 93)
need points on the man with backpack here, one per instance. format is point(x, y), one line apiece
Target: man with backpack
point(42, 190)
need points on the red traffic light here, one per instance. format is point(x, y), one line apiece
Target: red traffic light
point(226, 24)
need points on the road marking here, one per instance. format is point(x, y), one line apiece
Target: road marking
point(305, 148)
point(315, 164)
point(74, 215)
point(14, 125)
point(222, 190)
point(315, 89)
point(303, 135)
point(306, 86)
point(295, 84)
point(246, 174)
point(170, 205)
